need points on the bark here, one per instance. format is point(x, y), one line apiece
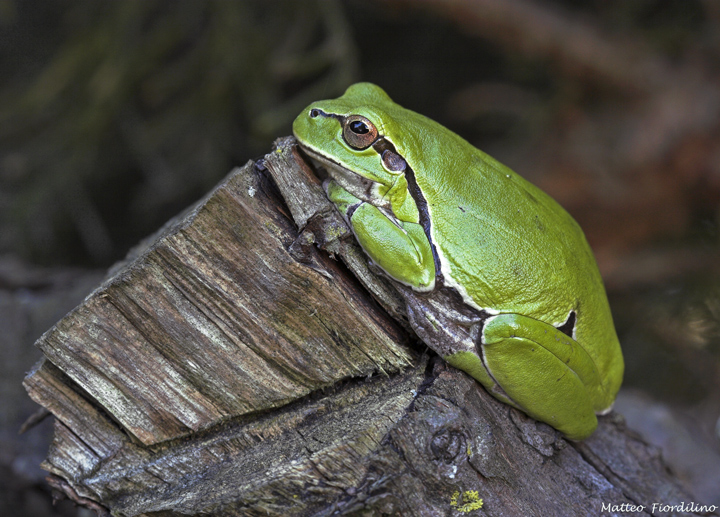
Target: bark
point(232, 366)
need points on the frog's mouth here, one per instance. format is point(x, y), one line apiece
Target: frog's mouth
point(359, 186)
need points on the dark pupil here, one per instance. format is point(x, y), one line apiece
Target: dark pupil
point(359, 127)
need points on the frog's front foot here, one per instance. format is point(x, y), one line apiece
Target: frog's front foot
point(399, 248)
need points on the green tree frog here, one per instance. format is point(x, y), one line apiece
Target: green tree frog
point(435, 214)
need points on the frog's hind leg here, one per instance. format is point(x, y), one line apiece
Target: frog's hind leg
point(543, 371)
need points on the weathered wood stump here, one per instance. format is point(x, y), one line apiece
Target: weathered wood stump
point(230, 367)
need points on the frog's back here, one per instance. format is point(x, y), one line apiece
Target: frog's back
point(508, 247)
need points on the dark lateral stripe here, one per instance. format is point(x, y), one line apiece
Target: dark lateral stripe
point(325, 114)
point(422, 207)
point(352, 208)
point(383, 144)
point(568, 327)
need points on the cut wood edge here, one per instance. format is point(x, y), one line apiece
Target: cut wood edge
point(216, 318)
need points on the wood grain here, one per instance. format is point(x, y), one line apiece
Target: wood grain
point(216, 319)
point(232, 366)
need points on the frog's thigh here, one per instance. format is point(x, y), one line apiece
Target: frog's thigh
point(404, 253)
point(544, 371)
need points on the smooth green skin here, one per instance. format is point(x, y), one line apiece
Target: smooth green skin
point(504, 245)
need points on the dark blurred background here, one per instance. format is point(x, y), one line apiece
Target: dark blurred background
point(116, 115)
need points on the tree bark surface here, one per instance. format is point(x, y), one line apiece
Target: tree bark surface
point(231, 365)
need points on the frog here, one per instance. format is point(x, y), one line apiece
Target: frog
point(434, 213)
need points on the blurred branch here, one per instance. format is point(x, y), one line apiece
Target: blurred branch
point(644, 151)
point(537, 30)
point(135, 108)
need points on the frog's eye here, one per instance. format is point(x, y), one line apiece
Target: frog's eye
point(359, 132)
